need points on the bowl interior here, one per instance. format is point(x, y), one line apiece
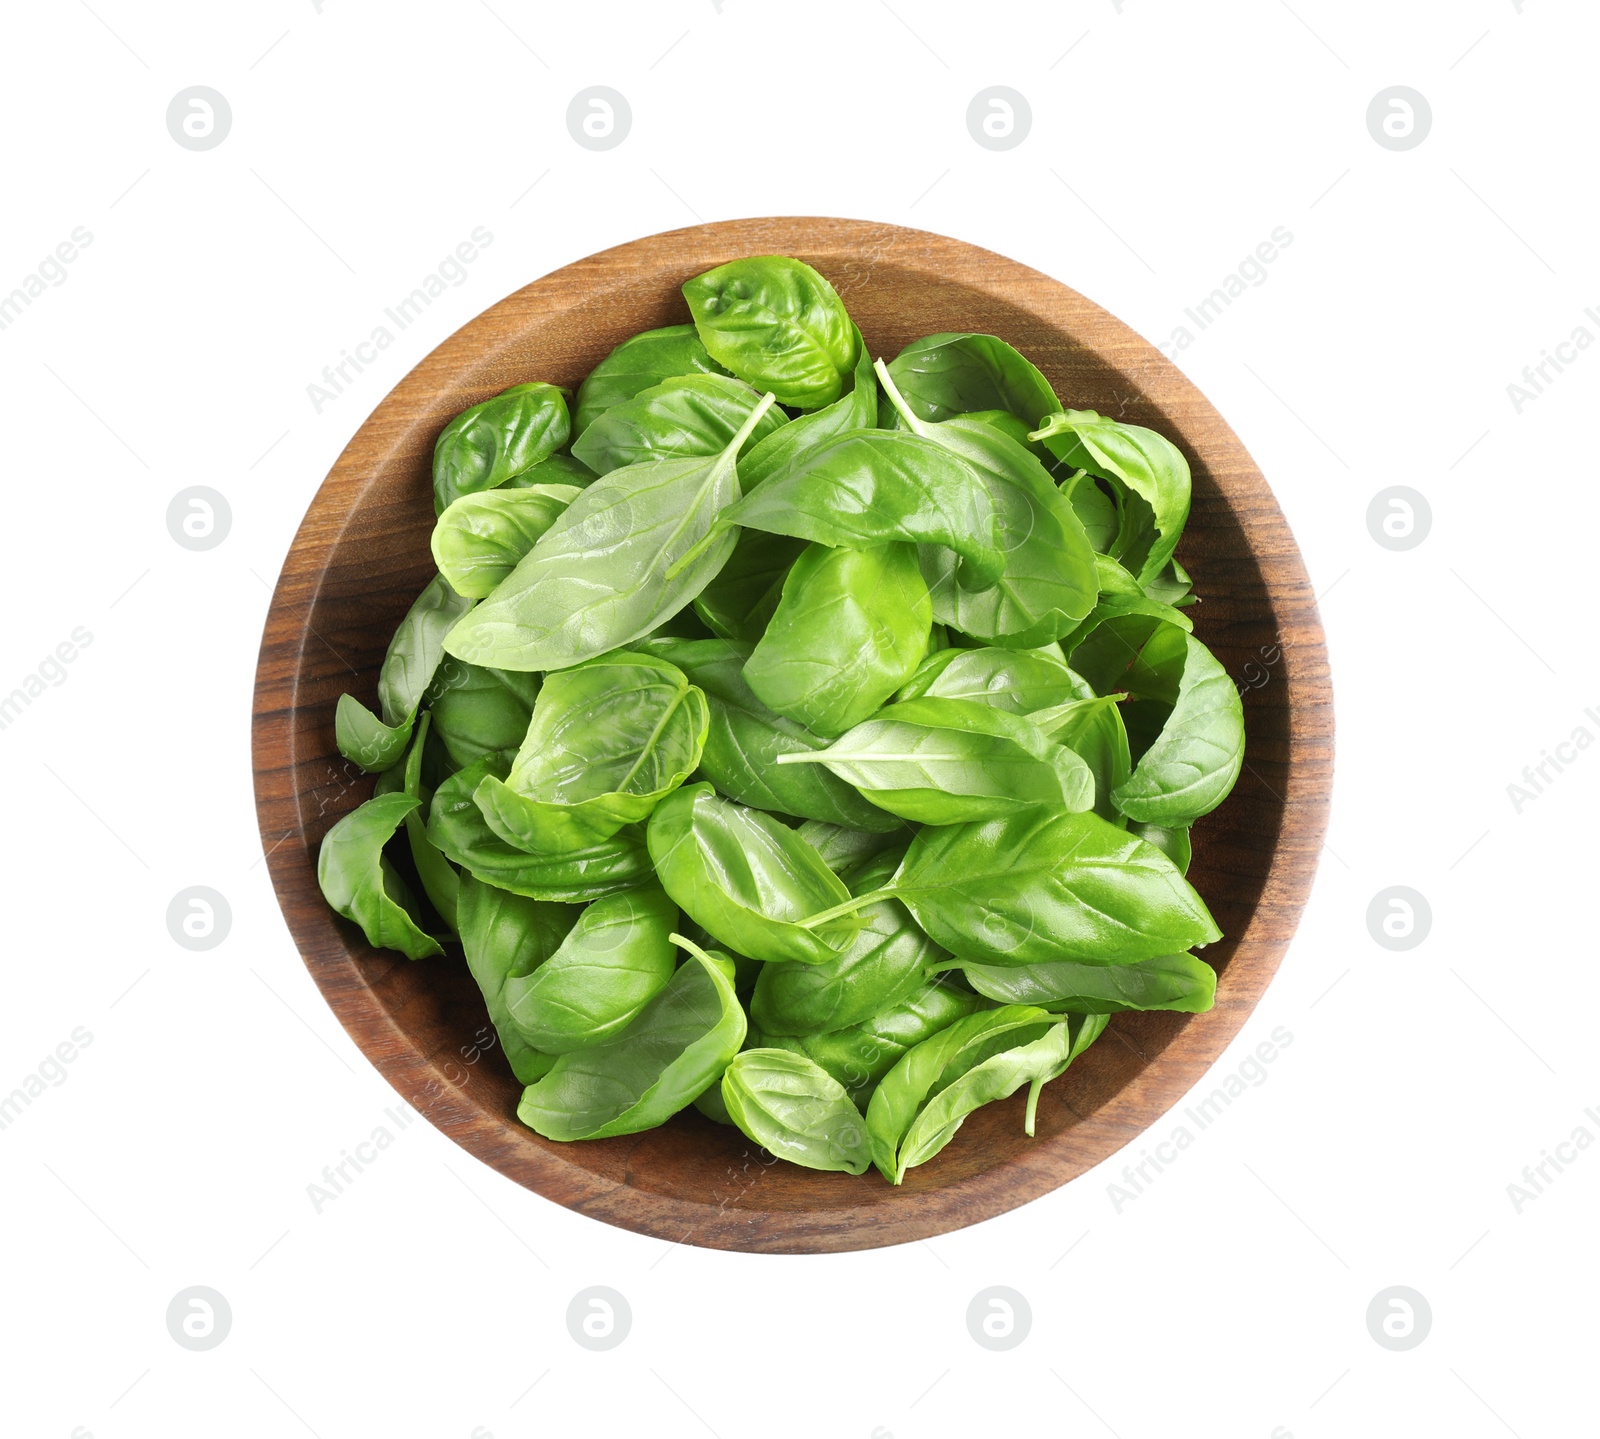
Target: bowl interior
point(362, 555)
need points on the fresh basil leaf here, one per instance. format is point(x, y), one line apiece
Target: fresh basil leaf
point(607, 968)
point(944, 761)
point(359, 883)
point(457, 828)
point(1179, 982)
point(1150, 472)
point(483, 536)
point(486, 445)
point(1174, 843)
point(843, 848)
point(559, 469)
point(778, 325)
point(850, 629)
point(478, 711)
point(942, 376)
point(1017, 681)
point(638, 363)
point(783, 448)
point(750, 881)
point(677, 1045)
point(795, 1110)
point(598, 578)
point(1041, 886)
point(745, 739)
point(1093, 729)
point(506, 938)
point(740, 602)
point(681, 417)
point(610, 738)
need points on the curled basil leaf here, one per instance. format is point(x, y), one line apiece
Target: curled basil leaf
point(486, 445)
point(684, 416)
point(598, 578)
point(749, 881)
point(675, 1047)
point(795, 1110)
point(927, 1096)
point(456, 826)
point(611, 962)
point(850, 629)
point(942, 376)
point(1044, 885)
point(636, 364)
point(1178, 982)
point(408, 669)
point(1146, 469)
point(1018, 681)
point(609, 739)
point(776, 324)
point(876, 487)
point(360, 883)
point(1195, 760)
point(507, 937)
point(942, 761)
point(745, 739)
point(483, 536)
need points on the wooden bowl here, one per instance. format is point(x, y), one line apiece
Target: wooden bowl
point(361, 556)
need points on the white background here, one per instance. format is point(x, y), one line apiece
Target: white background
point(1167, 141)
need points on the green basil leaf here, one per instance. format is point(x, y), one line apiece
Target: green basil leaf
point(457, 828)
point(610, 738)
point(876, 487)
point(486, 445)
point(1042, 886)
point(1150, 472)
point(942, 376)
point(1017, 681)
point(359, 883)
point(638, 363)
point(598, 578)
point(1196, 759)
point(745, 739)
point(784, 447)
point(483, 536)
point(677, 1045)
point(685, 416)
point(740, 602)
point(559, 469)
point(795, 1110)
point(1179, 982)
point(850, 629)
point(366, 740)
point(777, 324)
point(1093, 730)
point(478, 711)
point(1172, 842)
point(751, 882)
point(944, 761)
point(507, 937)
point(439, 880)
point(611, 962)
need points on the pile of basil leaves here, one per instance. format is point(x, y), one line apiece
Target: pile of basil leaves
point(809, 741)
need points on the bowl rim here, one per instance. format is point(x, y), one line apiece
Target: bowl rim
point(460, 365)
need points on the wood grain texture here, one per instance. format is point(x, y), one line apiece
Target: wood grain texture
point(361, 556)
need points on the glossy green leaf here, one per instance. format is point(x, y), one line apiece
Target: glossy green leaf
point(851, 628)
point(609, 739)
point(748, 880)
point(681, 417)
point(843, 849)
point(597, 578)
point(483, 536)
point(637, 364)
point(1045, 885)
point(740, 602)
point(942, 376)
point(506, 938)
point(797, 1111)
point(611, 962)
point(1178, 982)
point(778, 325)
point(673, 1049)
point(456, 826)
point(877, 487)
point(486, 445)
point(559, 469)
point(478, 711)
point(1174, 843)
point(1017, 681)
point(359, 883)
point(745, 739)
point(408, 669)
point(1196, 759)
point(1093, 729)
point(947, 761)
point(1149, 469)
